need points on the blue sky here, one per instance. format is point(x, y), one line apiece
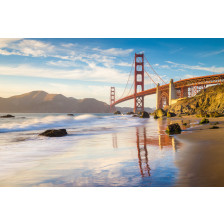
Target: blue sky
point(84, 68)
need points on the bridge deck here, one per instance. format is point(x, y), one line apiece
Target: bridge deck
point(196, 81)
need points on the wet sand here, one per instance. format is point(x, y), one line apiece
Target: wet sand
point(201, 162)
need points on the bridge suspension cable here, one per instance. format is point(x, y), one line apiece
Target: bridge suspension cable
point(131, 88)
point(154, 71)
point(128, 79)
point(150, 77)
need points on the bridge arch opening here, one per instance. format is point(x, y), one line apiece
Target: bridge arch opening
point(164, 100)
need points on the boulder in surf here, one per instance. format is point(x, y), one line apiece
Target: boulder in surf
point(54, 133)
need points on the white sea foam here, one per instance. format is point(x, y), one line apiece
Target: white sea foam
point(64, 121)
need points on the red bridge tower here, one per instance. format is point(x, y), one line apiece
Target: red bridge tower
point(112, 99)
point(139, 82)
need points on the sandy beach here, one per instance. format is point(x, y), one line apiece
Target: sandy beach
point(201, 161)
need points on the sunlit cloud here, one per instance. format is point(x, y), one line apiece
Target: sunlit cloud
point(90, 73)
point(114, 51)
point(197, 67)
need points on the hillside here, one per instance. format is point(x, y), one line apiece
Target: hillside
point(208, 100)
point(43, 102)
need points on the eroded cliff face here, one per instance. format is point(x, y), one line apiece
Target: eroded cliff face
point(206, 101)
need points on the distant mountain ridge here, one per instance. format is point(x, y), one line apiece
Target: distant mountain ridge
point(43, 102)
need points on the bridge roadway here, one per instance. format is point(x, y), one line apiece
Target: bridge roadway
point(196, 81)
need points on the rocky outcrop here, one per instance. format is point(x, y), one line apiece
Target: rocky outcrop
point(159, 113)
point(54, 133)
point(7, 116)
point(204, 121)
point(170, 114)
point(208, 102)
point(143, 114)
point(117, 112)
point(173, 129)
point(129, 113)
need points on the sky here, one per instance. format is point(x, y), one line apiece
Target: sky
point(87, 68)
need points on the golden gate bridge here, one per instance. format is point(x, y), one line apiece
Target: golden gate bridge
point(166, 93)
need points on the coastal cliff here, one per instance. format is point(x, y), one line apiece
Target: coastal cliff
point(208, 100)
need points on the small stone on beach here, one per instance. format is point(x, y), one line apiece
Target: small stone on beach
point(54, 133)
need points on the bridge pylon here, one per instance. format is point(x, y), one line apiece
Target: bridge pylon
point(139, 82)
point(112, 99)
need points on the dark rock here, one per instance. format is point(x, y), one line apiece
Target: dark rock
point(170, 114)
point(70, 114)
point(204, 121)
point(173, 129)
point(7, 116)
point(54, 133)
point(117, 112)
point(144, 114)
point(129, 113)
point(214, 127)
point(159, 113)
point(135, 115)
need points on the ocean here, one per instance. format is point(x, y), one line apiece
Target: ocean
point(100, 150)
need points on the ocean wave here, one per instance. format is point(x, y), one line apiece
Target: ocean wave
point(64, 121)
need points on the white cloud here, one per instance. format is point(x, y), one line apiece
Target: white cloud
point(188, 76)
point(124, 64)
point(65, 52)
point(61, 63)
point(114, 51)
point(212, 53)
point(4, 52)
point(34, 48)
point(59, 85)
point(197, 67)
point(5, 42)
point(25, 47)
point(69, 45)
point(91, 73)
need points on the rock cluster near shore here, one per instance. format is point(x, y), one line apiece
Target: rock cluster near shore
point(140, 114)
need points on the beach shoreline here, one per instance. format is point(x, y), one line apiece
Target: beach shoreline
point(201, 159)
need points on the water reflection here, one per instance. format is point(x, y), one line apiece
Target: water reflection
point(146, 141)
point(114, 140)
point(142, 151)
